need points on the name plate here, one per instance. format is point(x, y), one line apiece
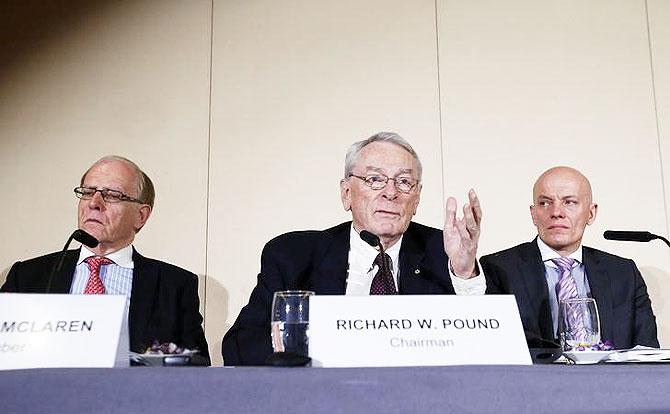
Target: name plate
point(60, 331)
point(415, 330)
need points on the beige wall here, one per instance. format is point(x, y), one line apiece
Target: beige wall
point(558, 83)
point(489, 95)
point(295, 83)
point(82, 82)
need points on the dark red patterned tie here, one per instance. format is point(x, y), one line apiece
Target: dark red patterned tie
point(94, 285)
point(383, 283)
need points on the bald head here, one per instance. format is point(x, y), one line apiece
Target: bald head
point(562, 208)
point(567, 176)
point(145, 187)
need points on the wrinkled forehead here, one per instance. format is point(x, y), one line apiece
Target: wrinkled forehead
point(111, 174)
point(386, 158)
point(562, 183)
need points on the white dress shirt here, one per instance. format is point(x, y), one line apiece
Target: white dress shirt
point(362, 270)
point(117, 277)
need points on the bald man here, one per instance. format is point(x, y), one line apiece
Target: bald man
point(562, 208)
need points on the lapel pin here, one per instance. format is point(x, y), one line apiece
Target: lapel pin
point(417, 271)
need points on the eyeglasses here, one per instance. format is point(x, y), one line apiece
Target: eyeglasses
point(379, 181)
point(110, 196)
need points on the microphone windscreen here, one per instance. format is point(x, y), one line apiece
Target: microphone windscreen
point(637, 236)
point(370, 238)
point(84, 238)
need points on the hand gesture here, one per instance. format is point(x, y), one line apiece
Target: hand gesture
point(461, 236)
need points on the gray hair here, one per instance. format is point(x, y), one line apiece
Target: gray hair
point(392, 137)
point(145, 187)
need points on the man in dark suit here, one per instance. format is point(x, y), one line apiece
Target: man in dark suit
point(533, 272)
point(116, 200)
point(381, 188)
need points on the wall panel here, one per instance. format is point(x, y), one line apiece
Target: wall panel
point(489, 93)
point(659, 36)
point(91, 79)
point(529, 85)
point(659, 33)
point(295, 83)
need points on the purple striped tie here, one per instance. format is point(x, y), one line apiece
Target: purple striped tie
point(383, 283)
point(566, 289)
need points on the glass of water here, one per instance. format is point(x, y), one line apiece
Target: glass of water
point(578, 324)
point(290, 321)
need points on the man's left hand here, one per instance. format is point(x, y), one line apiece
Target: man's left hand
point(461, 236)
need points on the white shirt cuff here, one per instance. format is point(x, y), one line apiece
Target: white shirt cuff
point(468, 287)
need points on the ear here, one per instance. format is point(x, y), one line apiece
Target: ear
point(418, 198)
point(345, 194)
point(532, 215)
point(593, 211)
point(143, 214)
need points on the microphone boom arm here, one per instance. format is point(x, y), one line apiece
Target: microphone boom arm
point(664, 239)
point(634, 236)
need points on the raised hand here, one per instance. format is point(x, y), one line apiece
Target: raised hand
point(461, 236)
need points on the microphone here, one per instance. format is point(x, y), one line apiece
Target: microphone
point(373, 240)
point(82, 237)
point(635, 236)
point(369, 238)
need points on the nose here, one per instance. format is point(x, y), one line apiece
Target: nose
point(96, 202)
point(390, 192)
point(557, 210)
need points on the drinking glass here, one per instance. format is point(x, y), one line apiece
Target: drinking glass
point(290, 321)
point(578, 324)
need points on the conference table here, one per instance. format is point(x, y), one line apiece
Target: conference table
point(511, 388)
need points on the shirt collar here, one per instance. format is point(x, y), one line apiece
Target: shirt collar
point(394, 251)
point(548, 253)
point(123, 257)
point(357, 244)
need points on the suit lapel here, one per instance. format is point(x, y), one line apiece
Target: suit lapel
point(410, 258)
point(600, 284)
point(330, 274)
point(62, 281)
point(532, 270)
point(143, 294)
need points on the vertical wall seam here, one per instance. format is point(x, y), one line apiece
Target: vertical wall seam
point(656, 118)
point(209, 154)
point(439, 100)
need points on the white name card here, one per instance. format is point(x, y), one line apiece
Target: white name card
point(415, 330)
point(60, 331)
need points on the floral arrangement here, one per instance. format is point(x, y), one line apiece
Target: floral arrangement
point(166, 348)
point(600, 346)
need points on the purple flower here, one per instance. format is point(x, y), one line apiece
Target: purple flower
point(166, 348)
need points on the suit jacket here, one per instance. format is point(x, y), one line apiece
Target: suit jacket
point(164, 302)
point(318, 261)
point(626, 318)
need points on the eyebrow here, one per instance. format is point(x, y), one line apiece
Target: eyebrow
point(545, 197)
point(104, 188)
point(381, 170)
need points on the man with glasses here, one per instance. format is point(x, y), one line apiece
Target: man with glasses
point(115, 201)
point(381, 187)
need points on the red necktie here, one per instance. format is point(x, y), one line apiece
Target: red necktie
point(94, 285)
point(383, 283)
